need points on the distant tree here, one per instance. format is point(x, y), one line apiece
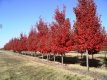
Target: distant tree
point(32, 40)
point(42, 36)
point(7, 46)
point(13, 44)
point(22, 43)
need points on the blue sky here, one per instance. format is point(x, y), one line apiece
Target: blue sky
point(18, 16)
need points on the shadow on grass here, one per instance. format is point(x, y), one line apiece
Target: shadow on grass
point(66, 60)
point(105, 62)
point(70, 60)
point(75, 60)
point(82, 62)
point(92, 62)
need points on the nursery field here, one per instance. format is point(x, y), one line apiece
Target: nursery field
point(15, 66)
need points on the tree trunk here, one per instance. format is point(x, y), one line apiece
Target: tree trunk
point(42, 56)
point(92, 56)
point(81, 55)
point(87, 60)
point(54, 57)
point(62, 58)
point(35, 54)
point(47, 56)
point(105, 55)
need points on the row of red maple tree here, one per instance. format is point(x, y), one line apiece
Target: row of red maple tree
point(60, 36)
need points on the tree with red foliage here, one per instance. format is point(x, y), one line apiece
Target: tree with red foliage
point(32, 40)
point(12, 45)
point(42, 36)
point(89, 34)
point(104, 48)
point(61, 33)
point(22, 43)
point(15, 44)
point(8, 45)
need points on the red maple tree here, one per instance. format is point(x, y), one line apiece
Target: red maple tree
point(61, 33)
point(13, 44)
point(42, 33)
point(88, 31)
point(32, 40)
point(22, 43)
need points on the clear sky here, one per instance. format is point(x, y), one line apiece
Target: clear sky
point(18, 16)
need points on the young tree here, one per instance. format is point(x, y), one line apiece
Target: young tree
point(61, 33)
point(104, 48)
point(22, 42)
point(42, 36)
point(89, 34)
point(13, 44)
point(8, 45)
point(32, 40)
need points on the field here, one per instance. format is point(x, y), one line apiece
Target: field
point(14, 66)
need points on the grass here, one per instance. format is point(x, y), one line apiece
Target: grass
point(13, 67)
point(95, 64)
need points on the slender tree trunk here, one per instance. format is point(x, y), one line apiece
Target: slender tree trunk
point(47, 56)
point(92, 56)
point(81, 55)
point(62, 58)
point(21, 52)
point(34, 54)
point(87, 60)
point(42, 56)
point(54, 57)
point(105, 55)
point(30, 54)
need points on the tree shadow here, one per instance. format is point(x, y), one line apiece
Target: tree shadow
point(66, 60)
point(37, 55)
point(105, 62)
point(44, 56)
point(57, 58)
point(75, 60)
point(92, 62)
point(70, 60)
